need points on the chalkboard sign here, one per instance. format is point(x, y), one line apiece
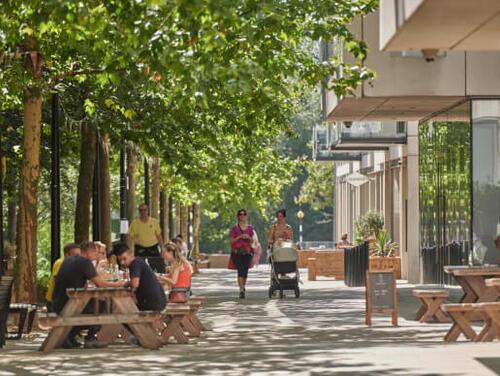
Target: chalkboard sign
point(381, 294)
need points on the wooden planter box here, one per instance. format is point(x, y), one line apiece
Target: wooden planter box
point(326, 264)
point(386, 263)
point(303, 255)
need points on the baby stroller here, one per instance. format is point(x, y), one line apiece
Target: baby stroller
point(284, 272)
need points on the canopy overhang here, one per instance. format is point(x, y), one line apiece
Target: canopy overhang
point(443, 25)
point(411, 108)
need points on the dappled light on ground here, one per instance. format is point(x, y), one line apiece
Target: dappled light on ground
point(321, 333)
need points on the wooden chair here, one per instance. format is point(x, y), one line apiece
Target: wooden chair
point(431, 305)
point(5, 295)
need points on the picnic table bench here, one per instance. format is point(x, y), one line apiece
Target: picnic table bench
point(479, 303)
point(124, 312)
point(431, 305)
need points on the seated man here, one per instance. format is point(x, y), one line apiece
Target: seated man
point(148, 291)
point(74, 273)
point(70, 249)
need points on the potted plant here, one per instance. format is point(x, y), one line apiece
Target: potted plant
point(367, 228)
point(385, 254)
point(384, 246)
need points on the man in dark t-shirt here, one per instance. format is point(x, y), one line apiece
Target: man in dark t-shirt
point(148, 291)
point(74, 273)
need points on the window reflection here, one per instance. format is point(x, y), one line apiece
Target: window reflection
point(486, 181)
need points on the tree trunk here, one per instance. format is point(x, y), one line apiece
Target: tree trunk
point(166, 231)
point(177, 219)
point(155, 189)
point(84, 186)
point(196, 230)
point(185, 222)
point(131, 176)
point(105, 191)
point(30, 174)
point(12, 219)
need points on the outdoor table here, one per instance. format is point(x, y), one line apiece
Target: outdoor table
point(125, 311)
point(472, 279)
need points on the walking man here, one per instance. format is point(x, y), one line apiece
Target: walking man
point(144, 236)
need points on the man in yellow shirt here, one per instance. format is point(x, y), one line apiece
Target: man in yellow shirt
point(70, 249)
point(144, 236)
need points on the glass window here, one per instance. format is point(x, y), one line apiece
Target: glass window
point(444, 170)
point(486, 181)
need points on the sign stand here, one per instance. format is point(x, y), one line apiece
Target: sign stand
point(381, 294)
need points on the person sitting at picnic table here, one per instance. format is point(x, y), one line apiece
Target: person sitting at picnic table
point(178, 278)
point(70, 249)
point(179, 240)
point(74, 273)
point(144, 235)
point(102, 265)
point(148, 291)
point(344, 241)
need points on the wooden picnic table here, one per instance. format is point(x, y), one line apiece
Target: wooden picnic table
point(124, 311)
point(472, 279)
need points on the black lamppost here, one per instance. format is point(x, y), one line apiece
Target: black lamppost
point(55, 183)
point(123, 195)
point(300, 216)
point(146, 181)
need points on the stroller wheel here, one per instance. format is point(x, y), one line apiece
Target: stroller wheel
point(271, 292)
point(297, 292)
point(281, 294)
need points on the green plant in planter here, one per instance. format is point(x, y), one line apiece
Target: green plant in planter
point(384, 246)
point(367, 226)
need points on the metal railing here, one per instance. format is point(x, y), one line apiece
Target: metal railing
point(434, 259)
point(356, 263)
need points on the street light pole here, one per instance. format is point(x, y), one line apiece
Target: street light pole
point(300, 216)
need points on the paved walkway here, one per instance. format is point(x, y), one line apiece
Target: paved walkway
point(322, 333)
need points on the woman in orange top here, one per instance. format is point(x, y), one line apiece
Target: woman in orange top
point(180, 271)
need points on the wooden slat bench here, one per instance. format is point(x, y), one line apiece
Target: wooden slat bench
point(462, 315)
point(25, 311)
point(170, 323)
point(194, 317)
point(431, 305)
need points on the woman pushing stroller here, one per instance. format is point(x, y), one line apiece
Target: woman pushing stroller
point(280, 231)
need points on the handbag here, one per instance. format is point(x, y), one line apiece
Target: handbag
point(177, 297)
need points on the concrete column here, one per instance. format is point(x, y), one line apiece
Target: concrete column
point(413, 232)
point(387, 196)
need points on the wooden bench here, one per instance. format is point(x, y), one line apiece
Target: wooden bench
point(463, 314)
point(5, 295)
point(431, 305)
point(170, 321)
point(25, 312)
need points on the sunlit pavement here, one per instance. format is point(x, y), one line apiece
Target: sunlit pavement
point(321, 333)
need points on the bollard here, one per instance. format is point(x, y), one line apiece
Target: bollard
point(311, 269)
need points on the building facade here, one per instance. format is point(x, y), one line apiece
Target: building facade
point(442, 183)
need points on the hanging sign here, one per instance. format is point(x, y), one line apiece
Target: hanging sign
point(356, 179)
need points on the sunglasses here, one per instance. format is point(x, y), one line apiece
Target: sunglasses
point(240, 214)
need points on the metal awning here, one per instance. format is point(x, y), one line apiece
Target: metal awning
point(411, 108)
point(442, 25)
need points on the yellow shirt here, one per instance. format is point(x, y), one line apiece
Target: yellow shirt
point(144, 233)
point(52, 282)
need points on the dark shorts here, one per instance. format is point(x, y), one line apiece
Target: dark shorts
point(242, 263)
point(141, 251)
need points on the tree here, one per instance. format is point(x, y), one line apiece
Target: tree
point(318, 189)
